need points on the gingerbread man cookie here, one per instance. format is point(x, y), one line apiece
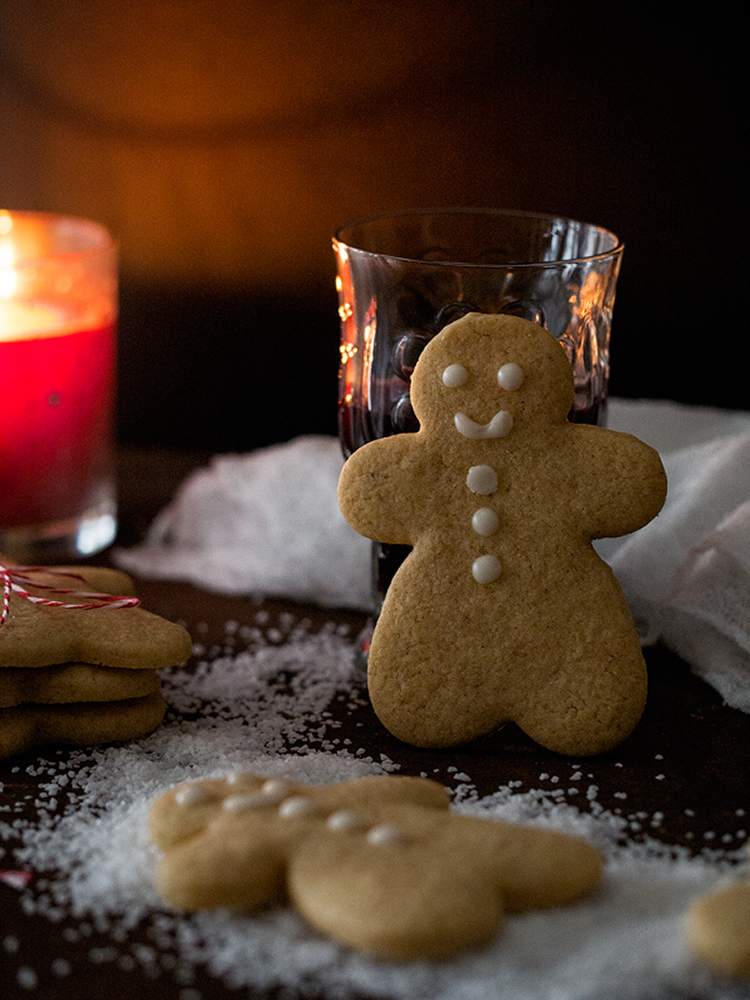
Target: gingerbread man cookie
point(503, 611)
point(378, 863)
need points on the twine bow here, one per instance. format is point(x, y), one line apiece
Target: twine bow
point(15, 579)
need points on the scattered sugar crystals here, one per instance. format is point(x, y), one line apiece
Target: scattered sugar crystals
point(266, 709)
point(10, 944)
point(26, 977)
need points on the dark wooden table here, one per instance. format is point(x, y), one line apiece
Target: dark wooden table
point(687, 762)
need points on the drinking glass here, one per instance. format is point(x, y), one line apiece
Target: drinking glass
point(403, 277)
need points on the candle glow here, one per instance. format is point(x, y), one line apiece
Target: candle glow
point(19, 321)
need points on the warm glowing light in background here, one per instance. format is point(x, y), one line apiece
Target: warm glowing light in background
point(8, 275)
point(355, 354)
point(348, 347)
point(371, 325)
point(19, 319)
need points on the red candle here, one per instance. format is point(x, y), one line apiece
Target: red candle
point(56, 397)
point(57, 361)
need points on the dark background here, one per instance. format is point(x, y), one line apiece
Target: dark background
point(224, 142)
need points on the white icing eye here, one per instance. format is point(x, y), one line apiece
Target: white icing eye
point(482, 479)
point(270, 793)
point(486, 569)
point(510, 377)
point(485, 521)
point(454, 376)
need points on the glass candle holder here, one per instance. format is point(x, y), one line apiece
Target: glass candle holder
point(58, 314)
point(403, 277)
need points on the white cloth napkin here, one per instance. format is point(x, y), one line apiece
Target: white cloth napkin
point(268, 523)
point(687, 574)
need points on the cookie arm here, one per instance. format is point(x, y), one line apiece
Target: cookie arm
point(371, 490)
point(215, 869)
point(621, 482)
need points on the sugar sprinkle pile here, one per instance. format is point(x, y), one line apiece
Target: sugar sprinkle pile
point(267, 708)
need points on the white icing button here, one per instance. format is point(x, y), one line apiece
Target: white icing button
point(485, 521)
point(482, 479)
point(486, 569)
point(191, 795)
point(510, 377)
point(386, 833)
point(252, 800)
point(455, 375)
point(270, 793)
point(296, 806)
point(500, 426)
point(274, 789)
point(344, 820)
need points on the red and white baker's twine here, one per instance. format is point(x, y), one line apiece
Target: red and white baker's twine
point(16, 579)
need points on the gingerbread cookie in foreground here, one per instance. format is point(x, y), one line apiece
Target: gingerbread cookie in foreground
point(78, 658)
point(503, 611)
point(718, 929)
point(378, 863)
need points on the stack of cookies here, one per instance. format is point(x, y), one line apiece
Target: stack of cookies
point(79, 658)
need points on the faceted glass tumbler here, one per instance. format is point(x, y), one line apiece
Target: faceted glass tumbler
point(402, 277)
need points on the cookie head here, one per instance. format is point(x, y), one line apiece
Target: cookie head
point(483, 373)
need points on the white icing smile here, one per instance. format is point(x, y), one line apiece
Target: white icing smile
point(498, 427)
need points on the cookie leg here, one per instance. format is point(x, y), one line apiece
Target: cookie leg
point(583, 717)
point(413, 708)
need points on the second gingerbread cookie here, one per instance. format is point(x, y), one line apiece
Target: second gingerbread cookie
point(503, 611)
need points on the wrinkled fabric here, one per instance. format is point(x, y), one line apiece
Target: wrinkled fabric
point(686, 575)
point(268, 523)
